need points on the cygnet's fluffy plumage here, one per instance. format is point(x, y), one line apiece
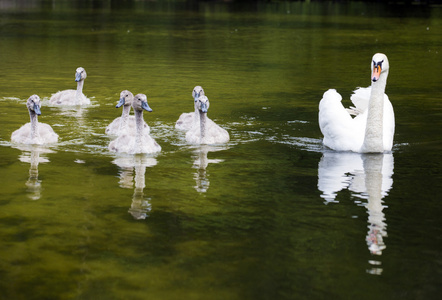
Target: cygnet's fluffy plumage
point(188, 120)
point(139, 143)
point(34, 133)
point(126, 123)
point(206, 131)
point(372, 130)
point(72, 97)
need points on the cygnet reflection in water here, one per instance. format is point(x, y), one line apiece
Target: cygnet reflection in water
point(140, 206)
point(201, 161)
point(32, 154)
point(367, 176)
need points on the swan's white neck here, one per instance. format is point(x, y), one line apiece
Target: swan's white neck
point(203, 118)
point(34, 125)
point(373, 140)
point(79, 93)
point(140, 127)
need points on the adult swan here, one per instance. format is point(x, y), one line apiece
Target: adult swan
point(372, 128)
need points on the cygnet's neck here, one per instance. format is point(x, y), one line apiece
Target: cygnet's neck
point(373, 140)
point(124, 117)
point(196, 115)
point(203, 118)
point(34, 124)
point(140, 127)
point(79, 93)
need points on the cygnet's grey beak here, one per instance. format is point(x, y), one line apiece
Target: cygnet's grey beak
point(197, 95)
point(204, 107)
point(37, 109)
point(121, 102)
point(145, 106)
point(77, 76)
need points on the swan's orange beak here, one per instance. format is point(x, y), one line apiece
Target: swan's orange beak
point(376, 72)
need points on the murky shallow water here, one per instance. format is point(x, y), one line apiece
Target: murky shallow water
point(270, 215)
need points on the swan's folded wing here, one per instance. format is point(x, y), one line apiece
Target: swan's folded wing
point(113, 127)
point(335, 122)
point(185, 121)
point(360, 99)
point(47, 134)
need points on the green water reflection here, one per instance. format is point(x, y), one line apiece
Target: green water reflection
point(247, 220)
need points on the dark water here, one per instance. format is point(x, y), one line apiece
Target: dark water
point(271, 215)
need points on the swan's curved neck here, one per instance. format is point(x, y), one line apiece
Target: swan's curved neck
point(34, 124)
point(79, 93)
point(373, 139)
point(203, 118)
point(140, 127)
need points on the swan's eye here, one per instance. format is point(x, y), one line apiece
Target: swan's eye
point(378, 64)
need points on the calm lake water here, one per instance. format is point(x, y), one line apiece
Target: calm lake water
point(270, 215)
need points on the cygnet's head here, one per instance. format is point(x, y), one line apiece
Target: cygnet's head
point(197, 92)
point(379, 65)
point(126, 98)
point(140, 103)
point(33, 104)
point(80, 74)
point(203, 104)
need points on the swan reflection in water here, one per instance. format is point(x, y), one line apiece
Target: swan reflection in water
point(201, 162)
point(140, 206)
point(32, 154)
point(367, 176)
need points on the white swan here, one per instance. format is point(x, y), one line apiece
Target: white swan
point(372, 129)
point(206, 131)
point(187, 120)
point(34, 132)
point(141, 142)
point(72, 97)
point(126, 123)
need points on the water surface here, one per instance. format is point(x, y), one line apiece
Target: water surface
point(272, 214)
